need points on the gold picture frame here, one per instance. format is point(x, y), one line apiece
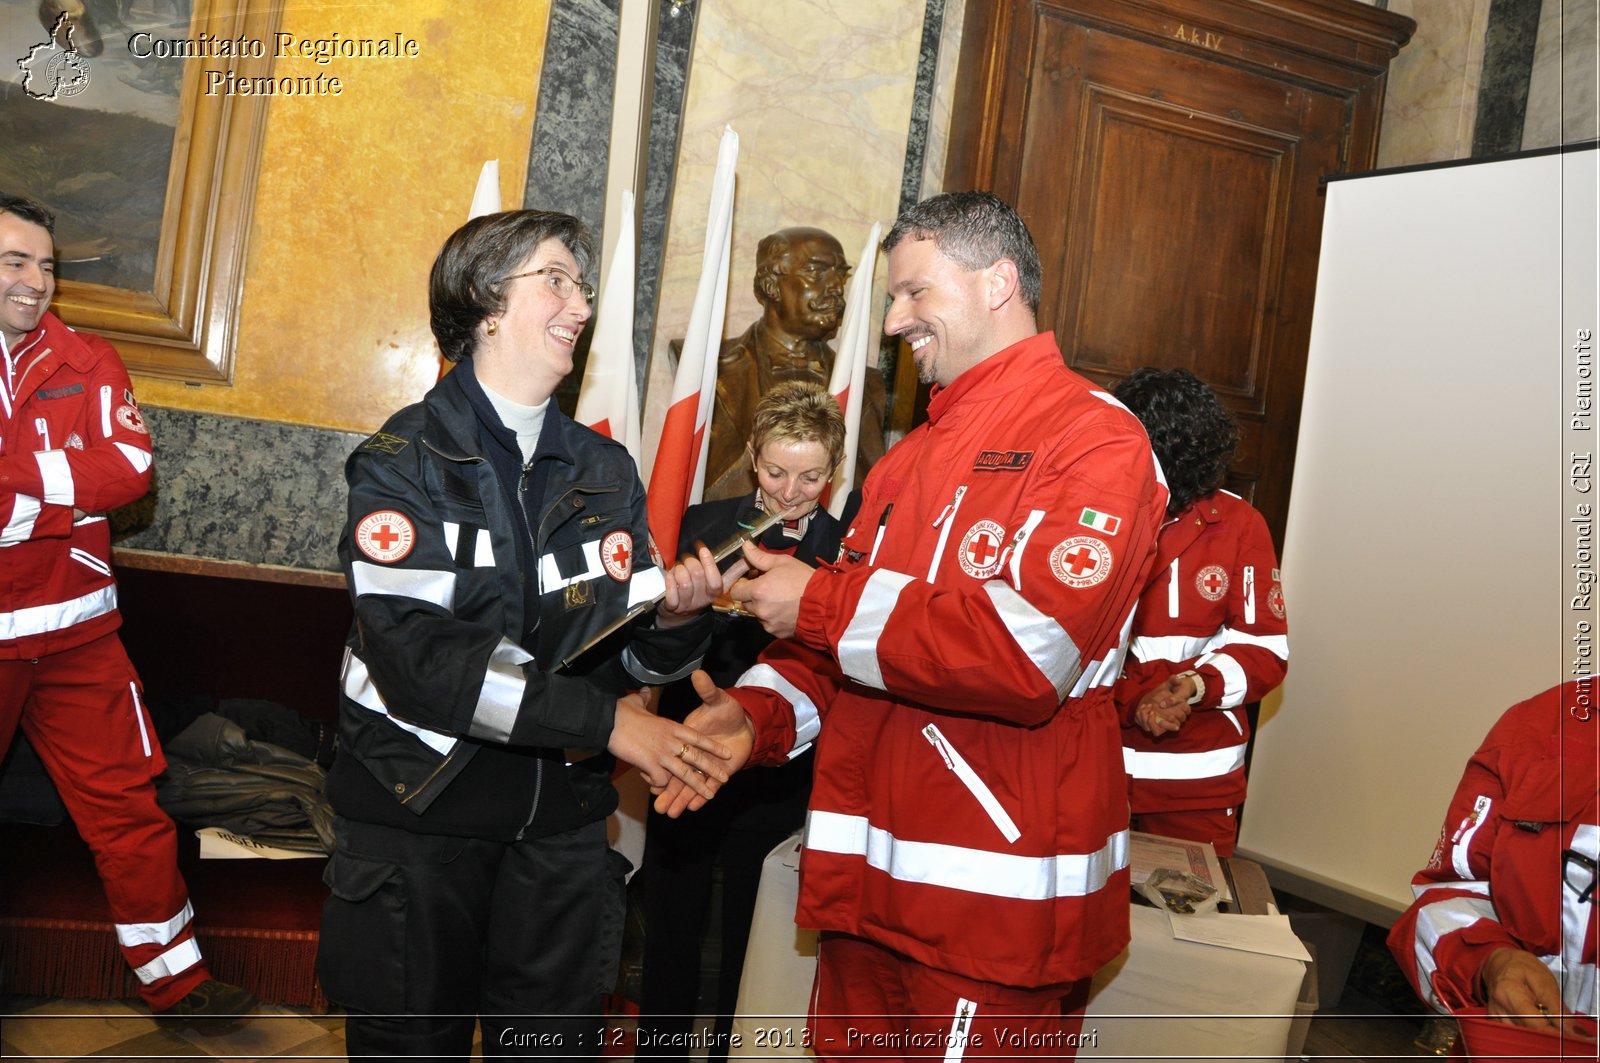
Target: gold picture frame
point(185, 326)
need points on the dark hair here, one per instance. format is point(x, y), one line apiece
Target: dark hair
point(28, 210)
point(467, 283)
point(1192, 434)
point(975, 230)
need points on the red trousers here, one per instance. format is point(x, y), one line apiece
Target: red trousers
point(83, 710)
point(872, 1002)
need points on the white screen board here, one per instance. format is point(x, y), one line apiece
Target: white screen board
point(1428, 558)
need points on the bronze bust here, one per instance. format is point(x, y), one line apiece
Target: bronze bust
point(800, 283)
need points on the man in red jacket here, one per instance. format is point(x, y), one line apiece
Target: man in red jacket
point(73, 445)
point(966, 847)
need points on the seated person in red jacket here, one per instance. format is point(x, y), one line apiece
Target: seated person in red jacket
point(1504, 916)
point(796, 442)
point(1209, 634)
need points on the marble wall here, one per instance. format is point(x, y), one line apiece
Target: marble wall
point(1562, 106)
point(1431, 104)
point(820, 93)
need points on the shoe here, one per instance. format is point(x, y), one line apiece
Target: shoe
point(213, 1007)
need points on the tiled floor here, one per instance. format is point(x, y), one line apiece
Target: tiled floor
point(42, 1029)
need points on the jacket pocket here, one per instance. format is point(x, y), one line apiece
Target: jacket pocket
point(969, 778)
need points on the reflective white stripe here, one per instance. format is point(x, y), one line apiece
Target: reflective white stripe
point(649, 676)
point(807, 721)
point(1234, 681)
point(1105, 672)
point(358, 687)
point(1038, 635)
point(138, 457)
point(58, 616)
point(1206, 764)
point(1277, 645)
point(421, 584)
point(19, 527)
point(179, 958)
point(960, 1030)
point(551, 579)
point(56, 475)
point(1578, 987)
point(1459, 852)
point(1442, 917)
point(157, 933)
point(482, 550)
point(138, 714)
point(500, 697)
point(1020, 544)
point(105, 410)
point(1170, 647)
point(969, 778)
point(1249, 594)
point(1172, 592)
point(88, 560)
point(1026, 878)
point(947, 519)
point(858, 646)
point(645, 584)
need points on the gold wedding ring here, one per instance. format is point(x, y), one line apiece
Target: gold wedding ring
point(684, 750)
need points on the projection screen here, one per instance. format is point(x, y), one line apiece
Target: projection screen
point(1436, 566)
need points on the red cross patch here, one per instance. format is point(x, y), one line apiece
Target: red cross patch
point(616, 554)
point(1275, 600)
point(385, 536)
point(1081, 561)
point(981, 549)
point(130, 418)
point(1211, 582)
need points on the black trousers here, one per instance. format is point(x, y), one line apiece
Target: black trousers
point(426, 935)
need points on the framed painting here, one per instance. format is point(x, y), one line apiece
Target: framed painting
point(124, 123)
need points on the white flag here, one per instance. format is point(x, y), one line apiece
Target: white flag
point(849, 381)
point(486, 198)
point(608, 400)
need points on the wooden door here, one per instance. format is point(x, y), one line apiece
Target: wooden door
point(1170, 171)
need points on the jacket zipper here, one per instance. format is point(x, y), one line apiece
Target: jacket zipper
point(538, 590)
point(969, 778)
point(947, 520)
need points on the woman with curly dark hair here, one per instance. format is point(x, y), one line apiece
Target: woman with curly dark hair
point(1209, 634)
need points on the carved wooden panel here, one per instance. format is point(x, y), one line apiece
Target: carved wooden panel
point(1167, 155)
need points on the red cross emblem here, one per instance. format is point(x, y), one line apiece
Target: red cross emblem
point(385, 536)
point(616, 554)
point(1211, 582)
point(980, 549)
point(1081, 561)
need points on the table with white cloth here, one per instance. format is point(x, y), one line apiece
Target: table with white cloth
point(1162, 998)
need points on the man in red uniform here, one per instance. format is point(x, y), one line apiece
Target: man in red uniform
point(1505, 913)
point(73, 445)
point(966, 847)
point(1210, 633)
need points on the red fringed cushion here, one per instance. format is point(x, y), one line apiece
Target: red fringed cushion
point(256, 920)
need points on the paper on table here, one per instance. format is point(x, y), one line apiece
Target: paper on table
point(1269, 935)
point(1146, 852)
point(219, 844)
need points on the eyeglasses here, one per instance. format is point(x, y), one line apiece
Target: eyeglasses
point(561, 282)
point(1580, 878)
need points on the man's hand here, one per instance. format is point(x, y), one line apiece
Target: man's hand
point(774, 597)
point(669, 753)
point(1518, 989)
point(721, 717)
point(692, 585)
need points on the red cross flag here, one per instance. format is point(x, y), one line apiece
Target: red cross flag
point(608, 400)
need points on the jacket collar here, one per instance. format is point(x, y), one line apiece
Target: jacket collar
point(470, 418)
point(34, 358)
point(1006, 370)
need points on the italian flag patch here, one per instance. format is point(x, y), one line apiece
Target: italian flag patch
point(1100, 522)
